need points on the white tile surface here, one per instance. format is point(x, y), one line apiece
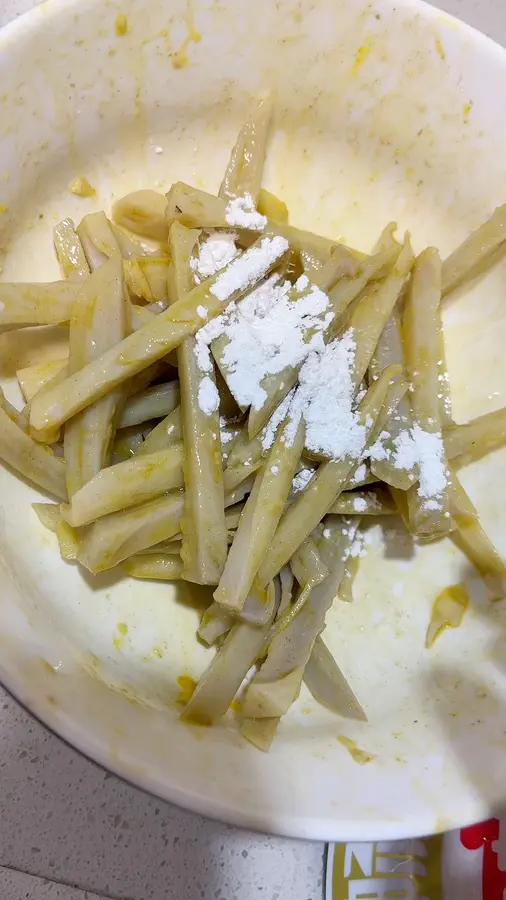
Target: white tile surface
point(61, 817)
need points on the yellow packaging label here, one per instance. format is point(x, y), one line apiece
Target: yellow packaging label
point(386, 870)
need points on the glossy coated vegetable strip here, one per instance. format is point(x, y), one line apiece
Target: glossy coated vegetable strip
point(204, 547)
point(345, 589)
point(126, 484)
point(477, 253)
point(128, 442)
point(99, 321)
point(473, 540)
point(142, 212)
point(271, 206)
point(307, 565)
point(335, 547)
point(375, 502)
point(37, 304)
point(277, 683)
point(153, 403)
point(33, 378)
point(311, 505)
point(373, 312)
point(33, 461)
point(389, 351)
point(428, 515)
point(168, 432)
point(260, 518)
point(156, 271)
point(97, 239)
point(133, 246)
point(215, 623)
point(222, 679)
point(114, 538)
point(153, 341)
point(328, 685)
point(69, 251)
point(260, 732)
point(69, 540)
point(245, 167)
point(163, 567)
point(217, 620)
point(476, 438)
point(136, 281)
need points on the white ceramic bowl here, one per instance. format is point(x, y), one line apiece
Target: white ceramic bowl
point(385, 110)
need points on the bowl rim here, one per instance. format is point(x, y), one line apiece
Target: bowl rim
point(68, 728)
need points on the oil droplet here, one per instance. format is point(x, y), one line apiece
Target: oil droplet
point(81, 187)
point(187, 686)
point(439, 47)
point(362, 757)
point(447, 612)
point(180, 58)
point(361, 55)
point(121, 25)
point(119, 642)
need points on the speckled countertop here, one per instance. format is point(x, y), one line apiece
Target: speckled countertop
point(70, 831)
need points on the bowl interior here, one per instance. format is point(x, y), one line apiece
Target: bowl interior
point(383, 112)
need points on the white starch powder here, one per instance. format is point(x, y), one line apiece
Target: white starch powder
point(244, 271)
point(214, 254)
point(325, 400)
point(301, 480)
point(413, 448)
point(209, 398)
point(241, 213)
point(275, 327)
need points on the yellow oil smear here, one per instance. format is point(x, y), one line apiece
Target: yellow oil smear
point(187, 686)
point(82, 187)
point(48, 667)
point(157, 652)
point(447, 612)
point(91, 664)
point(362, 55)
point(362, 757)
point(119, 642)
point(451, 23)
point(180, 57)
point(439, 47)
point(467, 111)
point(163, 33)
point(3, 209)
point(121, 25)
